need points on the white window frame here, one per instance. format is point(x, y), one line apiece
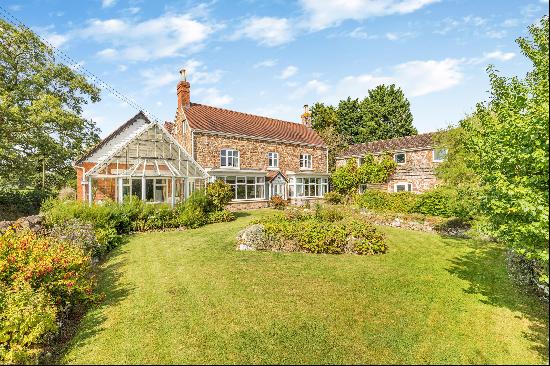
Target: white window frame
point(297, 186)
point(438, 160)
point(259, 184)
point(399, 153)
point(232, 154)
point(272, 160)
point(306, 162)
point(408, 186)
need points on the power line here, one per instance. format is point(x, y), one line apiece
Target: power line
point(75, 65)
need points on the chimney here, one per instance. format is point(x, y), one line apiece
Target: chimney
point(184, 91)
point(306, 116)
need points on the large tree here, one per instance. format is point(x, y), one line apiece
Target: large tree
point(41, 123)
point(383, 114)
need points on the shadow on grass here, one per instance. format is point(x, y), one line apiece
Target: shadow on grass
point(90, 323)
point(239, 214)
point(485, 269)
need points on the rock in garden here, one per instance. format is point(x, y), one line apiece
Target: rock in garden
point(251, 238)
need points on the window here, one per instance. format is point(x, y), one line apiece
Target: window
point(360, 161)
point(402, 187)
point(308, 187)
point(246, 188)
point(273, 160)
point(229, 158)
point(305, 161)
point(439, 155)
point(399, 158)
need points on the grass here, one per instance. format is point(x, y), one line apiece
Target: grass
point(190, 297)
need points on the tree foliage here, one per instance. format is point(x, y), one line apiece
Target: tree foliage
point(385, 113)
point(508, 144)
point(41, 100)
point(349, 177)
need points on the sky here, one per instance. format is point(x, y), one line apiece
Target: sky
point(272, 57)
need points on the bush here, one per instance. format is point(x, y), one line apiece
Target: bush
point(39, 278)
point(384, 201)
point(321, 231)
point(19, 203)
point(277, 202)
point(219, 194)
point(27, 317)
point(67, 194)
point(334, 198)
point(435, 202)
point(221, 216)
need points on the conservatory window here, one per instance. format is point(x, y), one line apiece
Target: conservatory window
point(308, 187)
point(246, 188)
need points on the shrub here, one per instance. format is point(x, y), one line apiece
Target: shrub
point(435, 202)
point(321, 231)
point(27, 316)
point(277, 202)
point(334, 198)
point(219, 194)
point(67, 194)
point(18, 203)
point(221, 216)
point(385, 201)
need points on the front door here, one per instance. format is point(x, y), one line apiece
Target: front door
point(278, 189)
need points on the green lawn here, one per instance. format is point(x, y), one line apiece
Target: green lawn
point(190, 297)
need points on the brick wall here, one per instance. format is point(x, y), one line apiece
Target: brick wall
point(253, 153)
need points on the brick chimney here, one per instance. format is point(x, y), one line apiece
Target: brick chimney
point(184, 91)
point(306, 116)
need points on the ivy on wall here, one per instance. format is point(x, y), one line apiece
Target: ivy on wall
point(349, 177)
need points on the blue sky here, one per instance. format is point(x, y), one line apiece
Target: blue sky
point(271, 58)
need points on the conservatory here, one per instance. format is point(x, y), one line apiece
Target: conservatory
point(140, 159)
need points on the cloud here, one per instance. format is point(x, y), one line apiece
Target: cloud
point(498, 34)
point(267, 31)
point(166, 36)
point(468, 22)
point(494, 55)
point(55, 39)
point(265, 63)
point(288, 72)
point(416, 78)
point(107, 3)
point(197, 73)
point(212, 96)
point(321, 14)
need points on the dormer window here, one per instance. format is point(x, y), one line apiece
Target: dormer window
point(229, 158)
point(399, 158)
point(305, 161)
point(273, 160)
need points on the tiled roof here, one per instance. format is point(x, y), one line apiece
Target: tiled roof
point(169, 126)
point(273, 174)
point(400, 143)
point(213, 119)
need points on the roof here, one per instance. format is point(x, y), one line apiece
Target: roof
point(273, 174)
point(213, 119)
point(112, 136)
point(169, 126)
point(424, 140)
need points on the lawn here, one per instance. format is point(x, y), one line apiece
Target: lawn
point(190, 297)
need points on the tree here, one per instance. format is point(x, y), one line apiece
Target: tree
point(385, 113)
point(41, 124)
point(509, 140)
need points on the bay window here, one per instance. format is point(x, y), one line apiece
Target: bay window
point(246, 188)
point(308, 187)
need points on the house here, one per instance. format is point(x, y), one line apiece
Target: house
point(142, 159)
point(416, 157)
point(258, 156)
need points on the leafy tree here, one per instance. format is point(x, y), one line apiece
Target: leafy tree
point(347, 178)
point(386, 114)
point(41, 127)
point(509, 138)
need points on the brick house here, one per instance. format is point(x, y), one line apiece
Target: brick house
point(416, 158)
point(258, 156)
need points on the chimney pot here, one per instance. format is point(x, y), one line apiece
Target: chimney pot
point(184, 91)
point(306, 116)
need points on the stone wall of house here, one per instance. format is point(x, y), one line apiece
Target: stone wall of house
point(419, 169)
point(253, 153)
point(247, 205)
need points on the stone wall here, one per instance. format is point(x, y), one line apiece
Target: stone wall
point(253, 153)
point(419, 169)
point(247, 205)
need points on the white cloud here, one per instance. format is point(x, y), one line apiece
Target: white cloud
point(107, 3)
point(494, 55)
point(132, 10)
point(392, 36)
point(459, 24)
point(322, 14)
point(509, 23)
point(107, 53)
point(358, 33)
point(55, 39)
point(212, 96)
point(313, 86)
point(288, 72)
point(267, 31)
point(265, 63)
point(197, 73)
point(165, 36)
point(122, 68)
point(498, 34)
